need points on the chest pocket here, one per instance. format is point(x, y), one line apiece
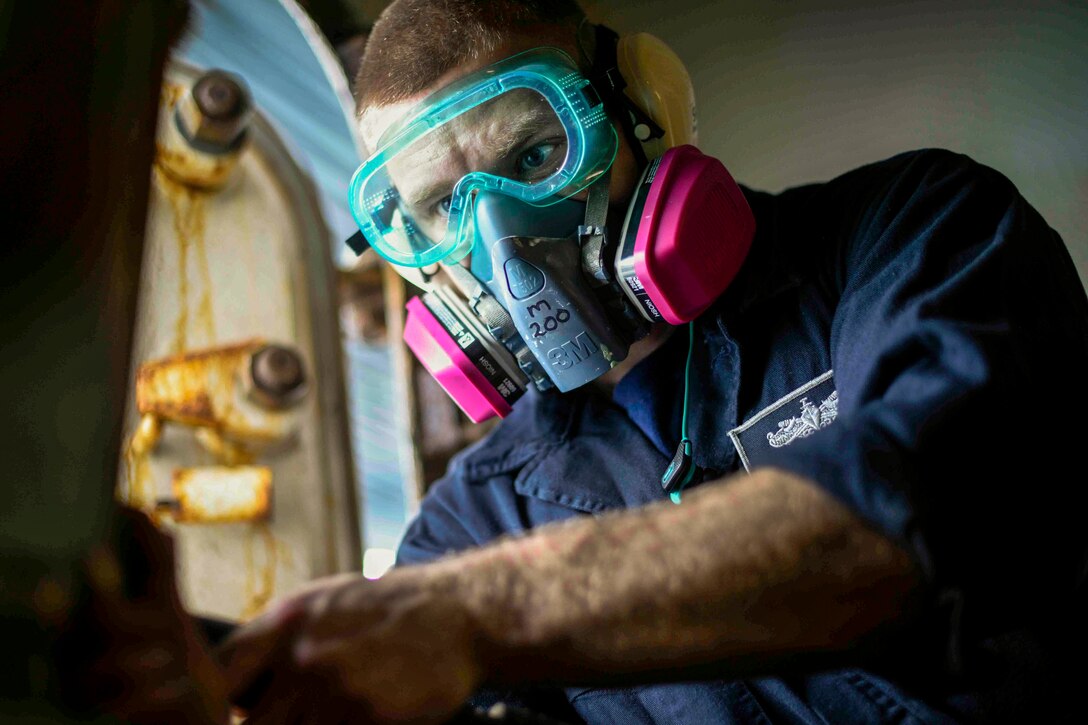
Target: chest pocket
point(796, 415)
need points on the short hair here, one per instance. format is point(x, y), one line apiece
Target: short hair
point(416, 42)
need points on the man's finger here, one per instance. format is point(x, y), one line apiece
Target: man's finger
point(285, 698)
point(254, 647)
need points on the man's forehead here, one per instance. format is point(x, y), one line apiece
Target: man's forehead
point(519, 109)
point(482, 139)
point(374, 120)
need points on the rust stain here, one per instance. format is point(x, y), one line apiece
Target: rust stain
point(227, 452)
point(195, 388)
point(171, 94)
point(207, 389)
point(188, 217)
point(193, 170)
point(204, 313)
point(140, 493)
point(260, 584)
point(245, 346)
point(181, 325)
point(183, 164)
point(175, 390)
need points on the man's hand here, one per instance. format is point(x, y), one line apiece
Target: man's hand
point(394, 650)
point(131, 650)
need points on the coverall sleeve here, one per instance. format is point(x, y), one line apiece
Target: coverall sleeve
point(438, 528)
point(442, 526)
point(959, 348)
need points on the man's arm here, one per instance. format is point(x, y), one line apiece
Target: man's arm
point(744, 575)
point(741, 575)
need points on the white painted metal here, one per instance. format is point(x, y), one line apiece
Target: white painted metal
point(249, 260)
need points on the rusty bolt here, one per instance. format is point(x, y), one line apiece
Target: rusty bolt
point(279, 379)
point(219, 97)
point(214, 114)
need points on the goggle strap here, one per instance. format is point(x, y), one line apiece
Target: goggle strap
point(597, 202)
point(591, 235)
point(605, 71)
point(358, 243)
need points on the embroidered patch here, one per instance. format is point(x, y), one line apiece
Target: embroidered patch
point(797, 415)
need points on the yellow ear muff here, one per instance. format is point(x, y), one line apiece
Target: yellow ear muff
point(659, 83)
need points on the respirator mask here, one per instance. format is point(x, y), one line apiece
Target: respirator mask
point(493, 195)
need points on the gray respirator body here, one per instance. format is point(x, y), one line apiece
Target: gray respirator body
point(538, 304)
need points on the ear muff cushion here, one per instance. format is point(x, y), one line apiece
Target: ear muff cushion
point(659, 84)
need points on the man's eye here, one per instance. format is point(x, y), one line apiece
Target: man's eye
point(443, 207)
point(536, 162)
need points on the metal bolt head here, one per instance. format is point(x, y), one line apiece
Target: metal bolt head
point(219, 96)
point(214, 114)
point(278, 375)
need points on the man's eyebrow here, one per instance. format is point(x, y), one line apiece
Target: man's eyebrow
point(512, 134)
point(430, 191)
point(505, 141)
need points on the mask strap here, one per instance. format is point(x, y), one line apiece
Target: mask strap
point(597, 204)
point(494, 316)
point(591, 235)
point(358, 243)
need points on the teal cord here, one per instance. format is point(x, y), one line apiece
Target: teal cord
point(684, 440)
point(687, 382)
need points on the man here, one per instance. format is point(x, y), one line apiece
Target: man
point(894, 366)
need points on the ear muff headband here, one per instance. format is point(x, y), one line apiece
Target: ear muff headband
point(610, 83)
point(658, 83)
point(644, 85)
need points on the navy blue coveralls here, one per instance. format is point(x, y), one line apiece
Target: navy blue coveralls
point(913, 338)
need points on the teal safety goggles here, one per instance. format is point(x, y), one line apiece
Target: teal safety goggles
point(531, 127)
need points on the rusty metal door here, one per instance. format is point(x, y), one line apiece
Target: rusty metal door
point(236, 435)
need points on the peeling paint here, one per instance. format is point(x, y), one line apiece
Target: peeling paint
point(139, 491)
point(205, 389)
point(222, 494)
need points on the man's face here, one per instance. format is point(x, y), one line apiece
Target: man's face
point(516, 135)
